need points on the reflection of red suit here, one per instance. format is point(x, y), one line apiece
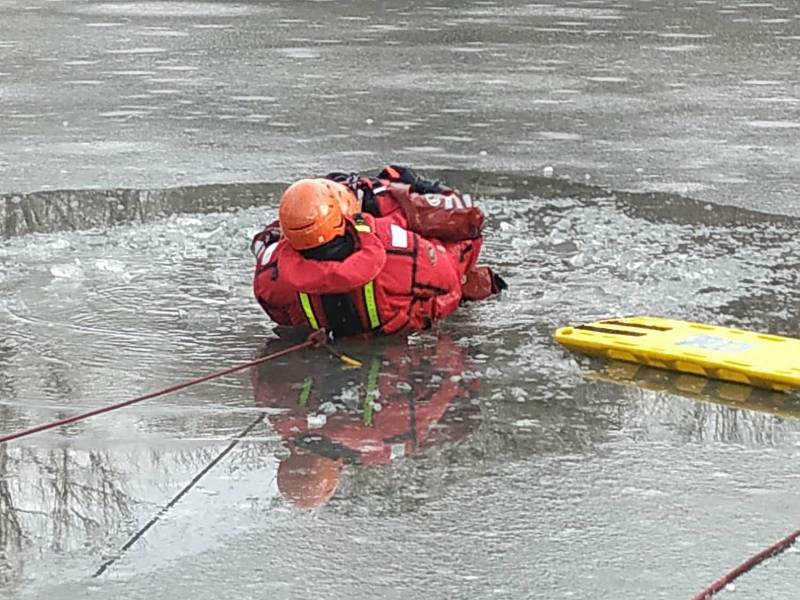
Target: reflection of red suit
point(434, 410)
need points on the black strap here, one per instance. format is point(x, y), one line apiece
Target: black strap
point(341, 314)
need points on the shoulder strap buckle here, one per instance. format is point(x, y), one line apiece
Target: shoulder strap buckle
point(361, 223)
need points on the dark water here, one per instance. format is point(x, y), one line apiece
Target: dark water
point(491, 463)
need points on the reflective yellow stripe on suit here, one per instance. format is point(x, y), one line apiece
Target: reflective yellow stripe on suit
point(369, 288)
point(369, 293)
point(369, 302)
point(305, 302)
point(372, 306)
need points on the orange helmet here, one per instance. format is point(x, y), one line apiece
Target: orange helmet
point(312, 212)
point(308, 480)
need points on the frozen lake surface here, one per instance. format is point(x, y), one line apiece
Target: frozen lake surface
point(495, 465)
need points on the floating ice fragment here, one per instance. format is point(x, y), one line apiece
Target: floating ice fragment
point(519, 394)
point(548, 171)
point(327, 408)
point(199, 318)
point(58, 244)
point(578, 260)
point(316, 421)
point(67, 271)
point(764, 124)
point(110, 265)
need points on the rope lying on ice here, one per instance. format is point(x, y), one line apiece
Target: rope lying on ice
point(316, 339)
point(729, 577)
point(135, 537)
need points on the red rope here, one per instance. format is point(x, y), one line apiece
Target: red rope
point(315, 339)
point(776, 548)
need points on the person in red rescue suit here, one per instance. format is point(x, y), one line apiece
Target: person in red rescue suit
point(358, 255)
point(335, 418)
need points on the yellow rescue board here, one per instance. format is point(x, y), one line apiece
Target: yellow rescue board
point(757, 359)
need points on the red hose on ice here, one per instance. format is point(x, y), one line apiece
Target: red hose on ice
point(776, 548)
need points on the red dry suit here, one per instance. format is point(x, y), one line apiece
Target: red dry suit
point(394, 280)
point(414, 264)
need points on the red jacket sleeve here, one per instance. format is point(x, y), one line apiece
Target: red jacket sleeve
point(446, 216)
point(274, 296)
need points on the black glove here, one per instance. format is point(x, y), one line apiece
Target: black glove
point(264, 238)
point(362, 187)
point(419, 185)
point(339, 176)
point(498, 283)
point(347, 179)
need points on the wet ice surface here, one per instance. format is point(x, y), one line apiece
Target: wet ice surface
point(695, 97)
point(532, 476)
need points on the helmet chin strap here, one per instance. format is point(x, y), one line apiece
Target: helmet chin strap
point(337, 249)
